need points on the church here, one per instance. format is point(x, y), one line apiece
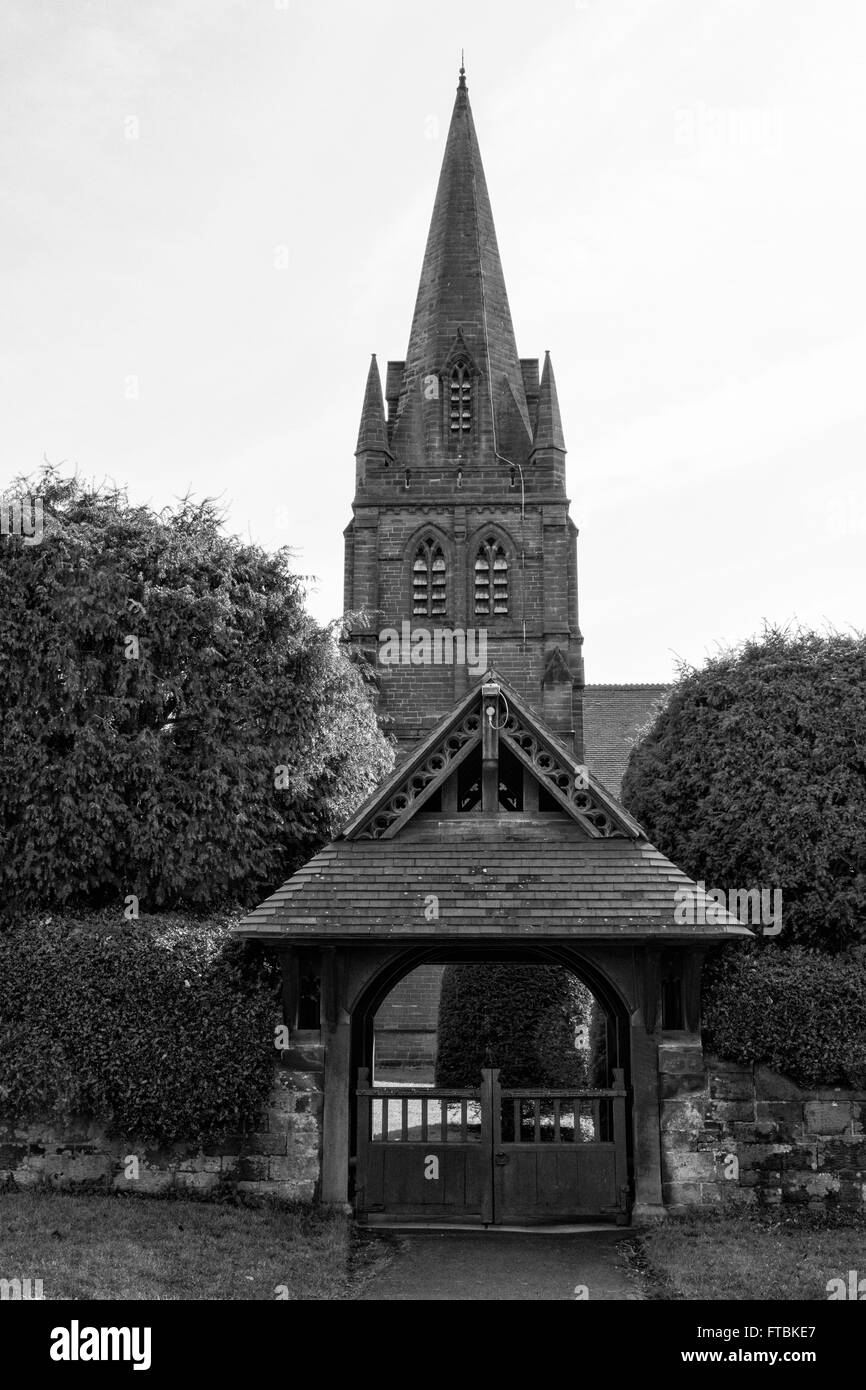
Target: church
point(499, 835)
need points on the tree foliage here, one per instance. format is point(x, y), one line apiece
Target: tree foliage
point(520, 1018)
point(754, 775)
point(174, 725)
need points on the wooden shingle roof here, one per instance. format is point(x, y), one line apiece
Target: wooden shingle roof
point(514, 877)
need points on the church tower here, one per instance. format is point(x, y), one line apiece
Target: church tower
point(460, 517)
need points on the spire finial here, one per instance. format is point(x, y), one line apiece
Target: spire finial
point(462, 82)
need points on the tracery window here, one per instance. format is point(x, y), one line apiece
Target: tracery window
point(491, 578)
point(429, 575)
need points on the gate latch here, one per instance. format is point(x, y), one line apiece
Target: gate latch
point(500, 1159)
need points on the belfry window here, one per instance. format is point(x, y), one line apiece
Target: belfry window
point(491, 578)
point(461, 399)
point(429, 581)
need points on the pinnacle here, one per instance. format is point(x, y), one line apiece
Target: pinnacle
point(373, 435)
point(548, 425)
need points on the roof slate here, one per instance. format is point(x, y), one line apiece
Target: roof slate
point(612, 715)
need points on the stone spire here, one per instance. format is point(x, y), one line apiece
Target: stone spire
point(462, 302)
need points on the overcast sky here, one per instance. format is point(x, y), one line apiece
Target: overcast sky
point(215, 210)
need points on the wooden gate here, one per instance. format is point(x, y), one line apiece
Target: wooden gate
point(491, 1154)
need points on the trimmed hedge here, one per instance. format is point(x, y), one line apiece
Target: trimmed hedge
point(799, 1012)
point(520, 1017)
point(162, 1028)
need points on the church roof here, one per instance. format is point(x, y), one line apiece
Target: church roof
point(612, 716)
point(588, 871)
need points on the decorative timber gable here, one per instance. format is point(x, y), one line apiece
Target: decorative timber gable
point(504, 737)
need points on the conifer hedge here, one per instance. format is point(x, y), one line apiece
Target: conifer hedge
point(175, 726)
point(754, 774)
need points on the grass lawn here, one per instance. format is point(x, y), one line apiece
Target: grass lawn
point(140, 1247)
point(741, 1257)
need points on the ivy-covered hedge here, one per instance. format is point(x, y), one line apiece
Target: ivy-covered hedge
point(161, 1027)
point(800, 1012)
point(520, 1018)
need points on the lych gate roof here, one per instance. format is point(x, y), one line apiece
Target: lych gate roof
point(533, 881)
point(583, 869)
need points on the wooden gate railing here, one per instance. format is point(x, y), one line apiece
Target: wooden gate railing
point(531, 1124)
point(598, 1116)
point(410, 1119)
point(471, 1132)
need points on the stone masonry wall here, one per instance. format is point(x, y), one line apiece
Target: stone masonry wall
point(279, 1158)
point(748, 1135)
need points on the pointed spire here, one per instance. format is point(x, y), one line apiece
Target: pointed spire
point(548, 425)
point(462, 283)
point(373, 434)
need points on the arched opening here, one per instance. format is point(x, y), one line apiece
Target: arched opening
point(568, 1112)
point(442, 1022)
point(389, 977)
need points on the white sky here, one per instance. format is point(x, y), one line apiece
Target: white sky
point(679, 188)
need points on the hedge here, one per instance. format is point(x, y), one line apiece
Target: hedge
point(520, 1018)
point(162, 1028)
point(799, 1012)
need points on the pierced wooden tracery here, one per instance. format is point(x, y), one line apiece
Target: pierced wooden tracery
point(431, 772)
point(554, 772)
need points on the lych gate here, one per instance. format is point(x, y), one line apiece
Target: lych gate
point(489, 842)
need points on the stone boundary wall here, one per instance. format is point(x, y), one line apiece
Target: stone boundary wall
point(748, 1135)
point(279, 1158)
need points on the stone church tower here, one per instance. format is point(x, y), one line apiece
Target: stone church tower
point(460, 517)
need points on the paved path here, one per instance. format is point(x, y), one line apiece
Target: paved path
point(497, 1265)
